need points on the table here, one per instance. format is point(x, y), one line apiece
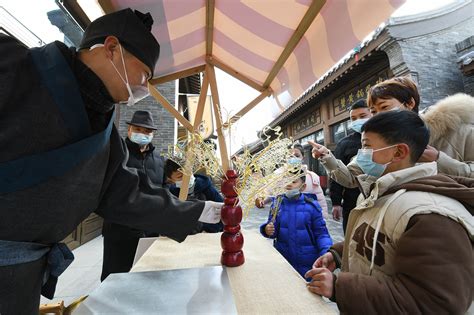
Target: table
point(265, 284)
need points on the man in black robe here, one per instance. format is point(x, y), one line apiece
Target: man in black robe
point(61, 158)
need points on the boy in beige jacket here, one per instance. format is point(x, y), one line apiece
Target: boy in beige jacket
point(409, 241)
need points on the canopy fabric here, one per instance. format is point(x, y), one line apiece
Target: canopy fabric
point(250, 35)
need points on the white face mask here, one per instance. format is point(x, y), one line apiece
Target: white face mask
point(192, 179)
point(293, 193)
point(136, 92)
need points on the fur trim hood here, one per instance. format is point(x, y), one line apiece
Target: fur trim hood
point(448, 114)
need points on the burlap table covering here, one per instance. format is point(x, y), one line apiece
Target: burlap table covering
point(265, 284)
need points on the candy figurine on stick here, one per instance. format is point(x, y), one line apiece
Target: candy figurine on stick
point(232, 239)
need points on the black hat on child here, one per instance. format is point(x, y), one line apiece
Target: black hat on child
point(133, 29)
point(142, 118)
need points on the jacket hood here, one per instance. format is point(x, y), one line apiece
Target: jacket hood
point(458, 188)
point(448, 114)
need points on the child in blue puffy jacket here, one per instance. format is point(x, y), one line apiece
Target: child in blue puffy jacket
point(296, 223)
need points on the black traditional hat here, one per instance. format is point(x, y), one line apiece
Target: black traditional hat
point(133, 29)
point(142, 118)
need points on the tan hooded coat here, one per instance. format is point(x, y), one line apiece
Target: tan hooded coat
point(451, 124)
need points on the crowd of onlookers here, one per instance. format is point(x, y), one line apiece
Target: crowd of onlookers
point(403, 185)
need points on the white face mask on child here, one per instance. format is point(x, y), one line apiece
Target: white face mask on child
point(293, 193)
point(192, 179)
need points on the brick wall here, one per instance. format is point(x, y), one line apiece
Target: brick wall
point(165, 134)
point(431, 59)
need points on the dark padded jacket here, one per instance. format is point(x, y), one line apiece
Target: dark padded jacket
point(152, 164)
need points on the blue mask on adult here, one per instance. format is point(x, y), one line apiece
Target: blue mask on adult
point(356, 125)
point(367, 165)
point(140, 138)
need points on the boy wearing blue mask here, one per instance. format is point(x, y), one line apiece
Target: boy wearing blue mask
point(297, 225)
point(409, 242)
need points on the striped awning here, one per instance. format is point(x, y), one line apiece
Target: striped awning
point(259, 38)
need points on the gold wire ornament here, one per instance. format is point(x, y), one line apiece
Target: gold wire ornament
point(264, 174)
point(267, 173)
point(192, 154)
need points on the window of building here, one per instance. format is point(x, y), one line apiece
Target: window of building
point(304, 140)
point(320, 137)
point(340, 130)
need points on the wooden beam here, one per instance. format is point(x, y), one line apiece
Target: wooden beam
point(251, 105)
point(177, 75)
point(184, 189)
point(305, 23)
point(210, 5)
point(217, 114)
point(201, 103)
point(106, 6)
point(236, 74)
point(170, 108)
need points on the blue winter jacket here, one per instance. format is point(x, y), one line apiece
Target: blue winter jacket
point(300, 234)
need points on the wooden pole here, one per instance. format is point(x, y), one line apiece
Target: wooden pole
point(201, 103)
point(170, 108)
point(177, 75)
point(210, 4)
point(218, 115)
point(236, 74)
point(305, 23)
point(183, 191)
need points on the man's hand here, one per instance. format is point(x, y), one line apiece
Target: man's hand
point(429, 155)
point(336, 212)
point(211, 212)
point(325, 261)
point(318, 150)
point(322, 281)
point(269, 229)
